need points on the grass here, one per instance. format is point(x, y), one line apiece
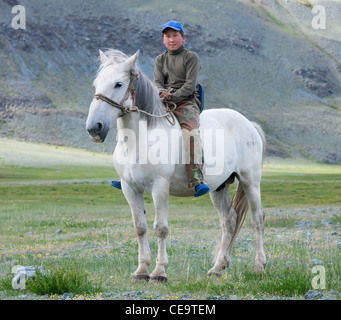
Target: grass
point(13, 174)
point(81, 230)
point(61, 277)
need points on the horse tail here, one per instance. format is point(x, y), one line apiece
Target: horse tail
point(241, 206)
point(262, 136)
point(239, 200)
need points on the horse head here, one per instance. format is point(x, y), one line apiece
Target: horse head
point(113, 92)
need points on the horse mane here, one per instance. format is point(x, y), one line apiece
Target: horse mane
point(147, 96)
point(115, 56)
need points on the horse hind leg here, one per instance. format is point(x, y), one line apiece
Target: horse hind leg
point(252, 191)
point(227, 216)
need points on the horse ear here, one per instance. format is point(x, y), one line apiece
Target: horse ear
point(130, 62)
point(136, 55)
point(102, 56)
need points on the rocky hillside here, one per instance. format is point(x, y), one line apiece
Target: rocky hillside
point(260, 57)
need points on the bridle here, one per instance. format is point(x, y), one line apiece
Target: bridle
point(131, 91)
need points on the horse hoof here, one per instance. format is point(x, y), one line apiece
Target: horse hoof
point(259, 268)
point(158, 279)
point(141, 277)
point(214, 274)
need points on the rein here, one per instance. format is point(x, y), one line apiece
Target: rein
point(100, 96)
point(131, 90)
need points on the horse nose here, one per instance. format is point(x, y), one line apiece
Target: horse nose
point(96, 132)
point(99, 127)
point(95, 129)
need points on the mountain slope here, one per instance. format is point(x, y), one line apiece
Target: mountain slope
point(261, 58)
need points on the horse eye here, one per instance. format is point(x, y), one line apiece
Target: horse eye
point(118, 85)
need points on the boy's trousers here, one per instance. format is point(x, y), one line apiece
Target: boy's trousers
point(188, 115)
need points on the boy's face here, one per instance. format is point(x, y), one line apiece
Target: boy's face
point(173, 39)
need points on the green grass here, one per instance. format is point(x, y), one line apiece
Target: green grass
point(61, 277)
point(95, 249)
point(318, 189)
point(98, 232)
point(306, 3)
point(19, 174)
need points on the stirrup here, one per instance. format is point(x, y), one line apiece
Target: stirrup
point(201, 189)
point(116, 184)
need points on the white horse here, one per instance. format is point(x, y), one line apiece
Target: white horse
point(147, 159)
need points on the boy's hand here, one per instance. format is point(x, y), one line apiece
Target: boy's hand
point(165, 95)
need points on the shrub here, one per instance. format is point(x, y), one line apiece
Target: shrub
point(61, 278)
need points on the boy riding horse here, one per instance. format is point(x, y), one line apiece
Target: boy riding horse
point(176, 76)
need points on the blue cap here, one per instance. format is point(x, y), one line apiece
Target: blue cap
point(173, 25)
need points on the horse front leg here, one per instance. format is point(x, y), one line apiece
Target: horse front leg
point(160, 196)
point(135, 200)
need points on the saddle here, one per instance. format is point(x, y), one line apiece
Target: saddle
point(201, 96)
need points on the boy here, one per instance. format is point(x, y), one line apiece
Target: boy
point(176, 75)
